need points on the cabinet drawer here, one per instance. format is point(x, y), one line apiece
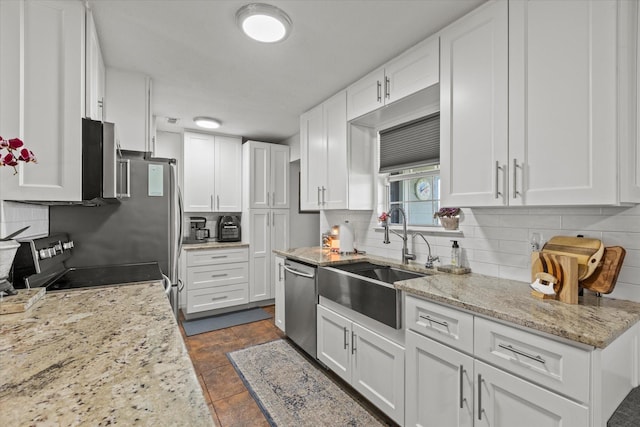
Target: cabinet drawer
point(216, 256)
point(444, 324)
point(211, 276)
point(223, 296)
point(552, 364)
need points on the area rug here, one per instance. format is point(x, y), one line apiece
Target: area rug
point(221, 321)
point(292, 392)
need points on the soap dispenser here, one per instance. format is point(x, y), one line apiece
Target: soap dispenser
point(455, 254)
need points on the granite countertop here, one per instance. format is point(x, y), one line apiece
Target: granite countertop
point(213, 245)
point(101, 356)
point(594, 321)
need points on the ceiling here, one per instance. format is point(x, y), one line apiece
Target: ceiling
point(202, 65)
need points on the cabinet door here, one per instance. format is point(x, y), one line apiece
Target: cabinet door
point(95, 72)
point(365, 95)
point(279, 176)
point(260, 260)
point(503, 400)
point(228, 174)
point(334, 342)
point(259, 175)
point(279, 292)
point(279, 238)
point(439, 385)
point(335, 192)
point(474, 108)
point(312, 158)
point(562, 118)
point(412, 71)
point(378, 371)
point(42, 81)
point(199, 153)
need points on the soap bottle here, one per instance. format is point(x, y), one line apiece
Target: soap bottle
point(455, 254)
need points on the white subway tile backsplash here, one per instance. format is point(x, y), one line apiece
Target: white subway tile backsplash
point(14, 216)
point(627, 223)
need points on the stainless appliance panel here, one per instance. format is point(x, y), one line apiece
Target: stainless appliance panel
point(300, 300)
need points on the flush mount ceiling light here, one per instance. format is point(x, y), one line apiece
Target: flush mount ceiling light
point(207, 122)
point(263, 22)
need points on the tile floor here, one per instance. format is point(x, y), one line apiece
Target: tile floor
point(230, 403)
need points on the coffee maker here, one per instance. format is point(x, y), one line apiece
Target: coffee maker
point(197, 230)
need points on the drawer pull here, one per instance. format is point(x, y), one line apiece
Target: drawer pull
point(353, 343)
point(218, 298)
point(480, 397)
point(522, 353)
point(218, 256)
point(346, 340)
point(462, 399)
point(219, 275)
point(430, 319)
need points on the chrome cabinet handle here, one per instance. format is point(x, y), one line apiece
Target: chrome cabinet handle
point(280, 272)
point(462, 399)
point(480, 397)
point(379, 91)
point(273, 219)
point(218, 298)
point(273, 198)
point(268, 197)
point(211, 201)
point(219, 275)
point(318, 196)
point(515, 178)
point(353, 342)
point(509, 347)
point(217, 256)
point(387, 88)
point(218, 202)
point(346, 339)
point(498, 169)
point(431, 319)
point(323, 193)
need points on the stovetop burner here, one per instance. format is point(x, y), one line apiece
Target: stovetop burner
point(86, 277)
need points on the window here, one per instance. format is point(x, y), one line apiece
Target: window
point(417, 191)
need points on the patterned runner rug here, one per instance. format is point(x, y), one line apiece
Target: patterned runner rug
point(293, 392)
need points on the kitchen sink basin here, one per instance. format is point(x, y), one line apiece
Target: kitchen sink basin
point(366, 288)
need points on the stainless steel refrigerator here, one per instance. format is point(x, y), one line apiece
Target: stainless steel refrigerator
point(144, 227)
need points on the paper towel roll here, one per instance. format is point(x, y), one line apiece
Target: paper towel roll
point(346, 238)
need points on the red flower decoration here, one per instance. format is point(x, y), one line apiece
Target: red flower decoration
point(15, 152)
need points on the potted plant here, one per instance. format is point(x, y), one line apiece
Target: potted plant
point(448, 217)
point(12, 151)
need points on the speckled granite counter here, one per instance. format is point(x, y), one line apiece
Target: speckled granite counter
point(593, 321)
point(213, 245)
point(103, 356)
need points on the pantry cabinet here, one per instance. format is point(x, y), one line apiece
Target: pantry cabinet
point(212, 173)
point(129, 94)
point(266, 170)
point(371, 363)
point(412, 71)
point(532, 107)
point(42, 81)
point(265, 230)
point(95, 72)
point(324, 181)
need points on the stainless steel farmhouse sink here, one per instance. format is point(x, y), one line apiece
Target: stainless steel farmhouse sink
point(366, 288)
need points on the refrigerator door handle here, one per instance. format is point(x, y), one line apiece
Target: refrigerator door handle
point(167, 284)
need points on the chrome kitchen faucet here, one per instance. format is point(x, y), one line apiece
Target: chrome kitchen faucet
point(406, 256)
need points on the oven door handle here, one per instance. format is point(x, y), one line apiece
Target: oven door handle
point(167, 284)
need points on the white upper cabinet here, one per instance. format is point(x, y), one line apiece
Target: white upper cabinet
point(212, 173)
point(536, 104)
point(42, 82)
point(324, 182)
point(267, 175)
point(474, 107)
point(562, 102)
point(412, 71)
point(95, 71)
point(129, 107)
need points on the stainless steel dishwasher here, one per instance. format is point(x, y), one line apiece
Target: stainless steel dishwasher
point(300, 299)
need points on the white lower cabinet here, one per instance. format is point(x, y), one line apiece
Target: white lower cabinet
point(439, 384)
point(371, 363)
point(279, 292)
point(216, 278)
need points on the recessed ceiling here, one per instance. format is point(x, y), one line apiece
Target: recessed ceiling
point(202, 65)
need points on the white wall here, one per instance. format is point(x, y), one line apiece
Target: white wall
point(495, 242)
point(14, 216)
point(303, 226)
point(294, 147)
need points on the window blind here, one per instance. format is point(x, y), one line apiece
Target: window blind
point(410, 144)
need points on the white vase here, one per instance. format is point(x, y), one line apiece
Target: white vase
point(8, 249)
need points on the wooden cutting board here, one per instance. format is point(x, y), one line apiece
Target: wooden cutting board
point(605, 276)
point(562, 267)
point(588, 252)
